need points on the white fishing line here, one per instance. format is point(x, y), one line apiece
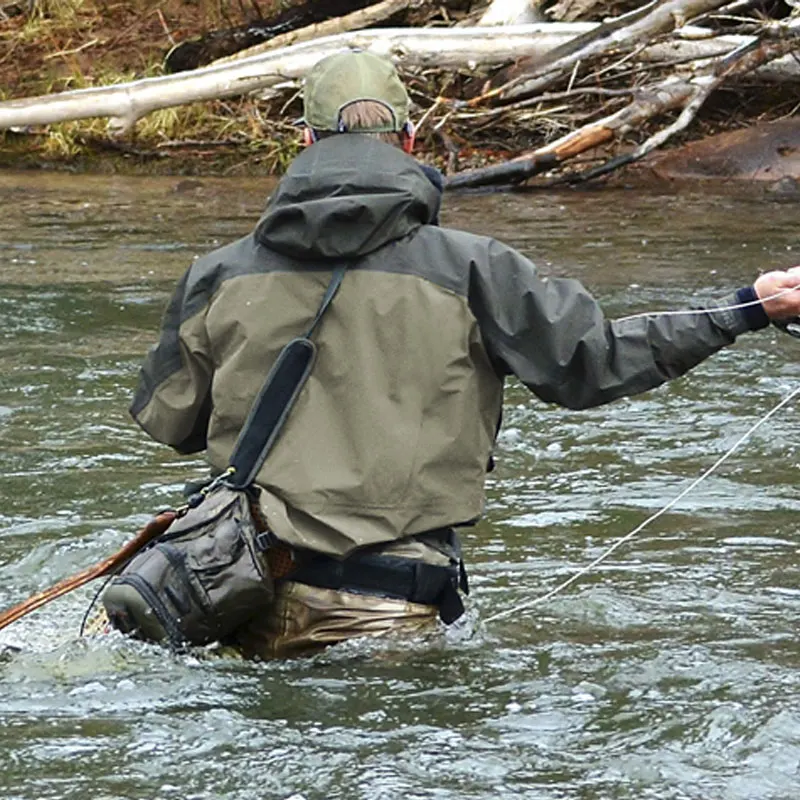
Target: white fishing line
point(584, 570)
point(684, 312)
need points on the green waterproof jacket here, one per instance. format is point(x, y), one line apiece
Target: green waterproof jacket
point(392, 433)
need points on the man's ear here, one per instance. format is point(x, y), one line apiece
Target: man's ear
point(408, 136)
point(308, 136)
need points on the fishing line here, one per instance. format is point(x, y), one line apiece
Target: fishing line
point(616, 545)
point(707, 310)
point(584, 570)
point(87, 614)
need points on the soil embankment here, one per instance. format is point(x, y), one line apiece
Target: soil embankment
point(761, 159)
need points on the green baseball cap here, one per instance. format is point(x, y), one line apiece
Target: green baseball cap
point(340, 79)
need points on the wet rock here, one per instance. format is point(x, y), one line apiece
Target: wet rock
point(188, 186)
point(768, 152)
point(786, 189)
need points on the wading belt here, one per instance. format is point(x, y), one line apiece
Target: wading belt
point(388, 576)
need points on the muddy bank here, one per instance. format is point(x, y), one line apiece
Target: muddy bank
point(761, 160)
point(768, 154)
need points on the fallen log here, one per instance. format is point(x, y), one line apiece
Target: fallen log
point(430, 47)
point(217, 44)
point(425, 48)
point(742, 61)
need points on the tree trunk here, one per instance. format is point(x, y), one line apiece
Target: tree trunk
point(356, 20)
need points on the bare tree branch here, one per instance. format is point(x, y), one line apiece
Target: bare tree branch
point(688, 92)
point(618, 36)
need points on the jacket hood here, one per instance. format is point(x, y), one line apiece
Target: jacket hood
point(344, 197)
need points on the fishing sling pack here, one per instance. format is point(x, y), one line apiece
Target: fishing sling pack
point(207, 574)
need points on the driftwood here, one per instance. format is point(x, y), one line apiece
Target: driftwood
point(357, 20)
point(217, 44)
point(688, 92)
point(431, 47)
point(622, 35)
point(422, 48)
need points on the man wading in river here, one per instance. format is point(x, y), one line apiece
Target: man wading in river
point(384, 453)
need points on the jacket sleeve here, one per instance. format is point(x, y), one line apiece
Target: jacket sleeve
point(172, 402)
point(553, 336)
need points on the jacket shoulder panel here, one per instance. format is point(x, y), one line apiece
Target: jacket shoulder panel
point(443, 256)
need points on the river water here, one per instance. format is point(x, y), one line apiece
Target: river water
point(669, 671)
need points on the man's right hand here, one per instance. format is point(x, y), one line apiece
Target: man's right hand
point(774, 290)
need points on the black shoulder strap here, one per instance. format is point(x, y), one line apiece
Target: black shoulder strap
point(333, 286)
point(276, 398)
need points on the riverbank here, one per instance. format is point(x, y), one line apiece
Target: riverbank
point(57, 46)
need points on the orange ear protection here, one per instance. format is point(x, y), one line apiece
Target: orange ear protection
point(410, 137)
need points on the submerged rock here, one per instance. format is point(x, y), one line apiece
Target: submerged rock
point(786, 189)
